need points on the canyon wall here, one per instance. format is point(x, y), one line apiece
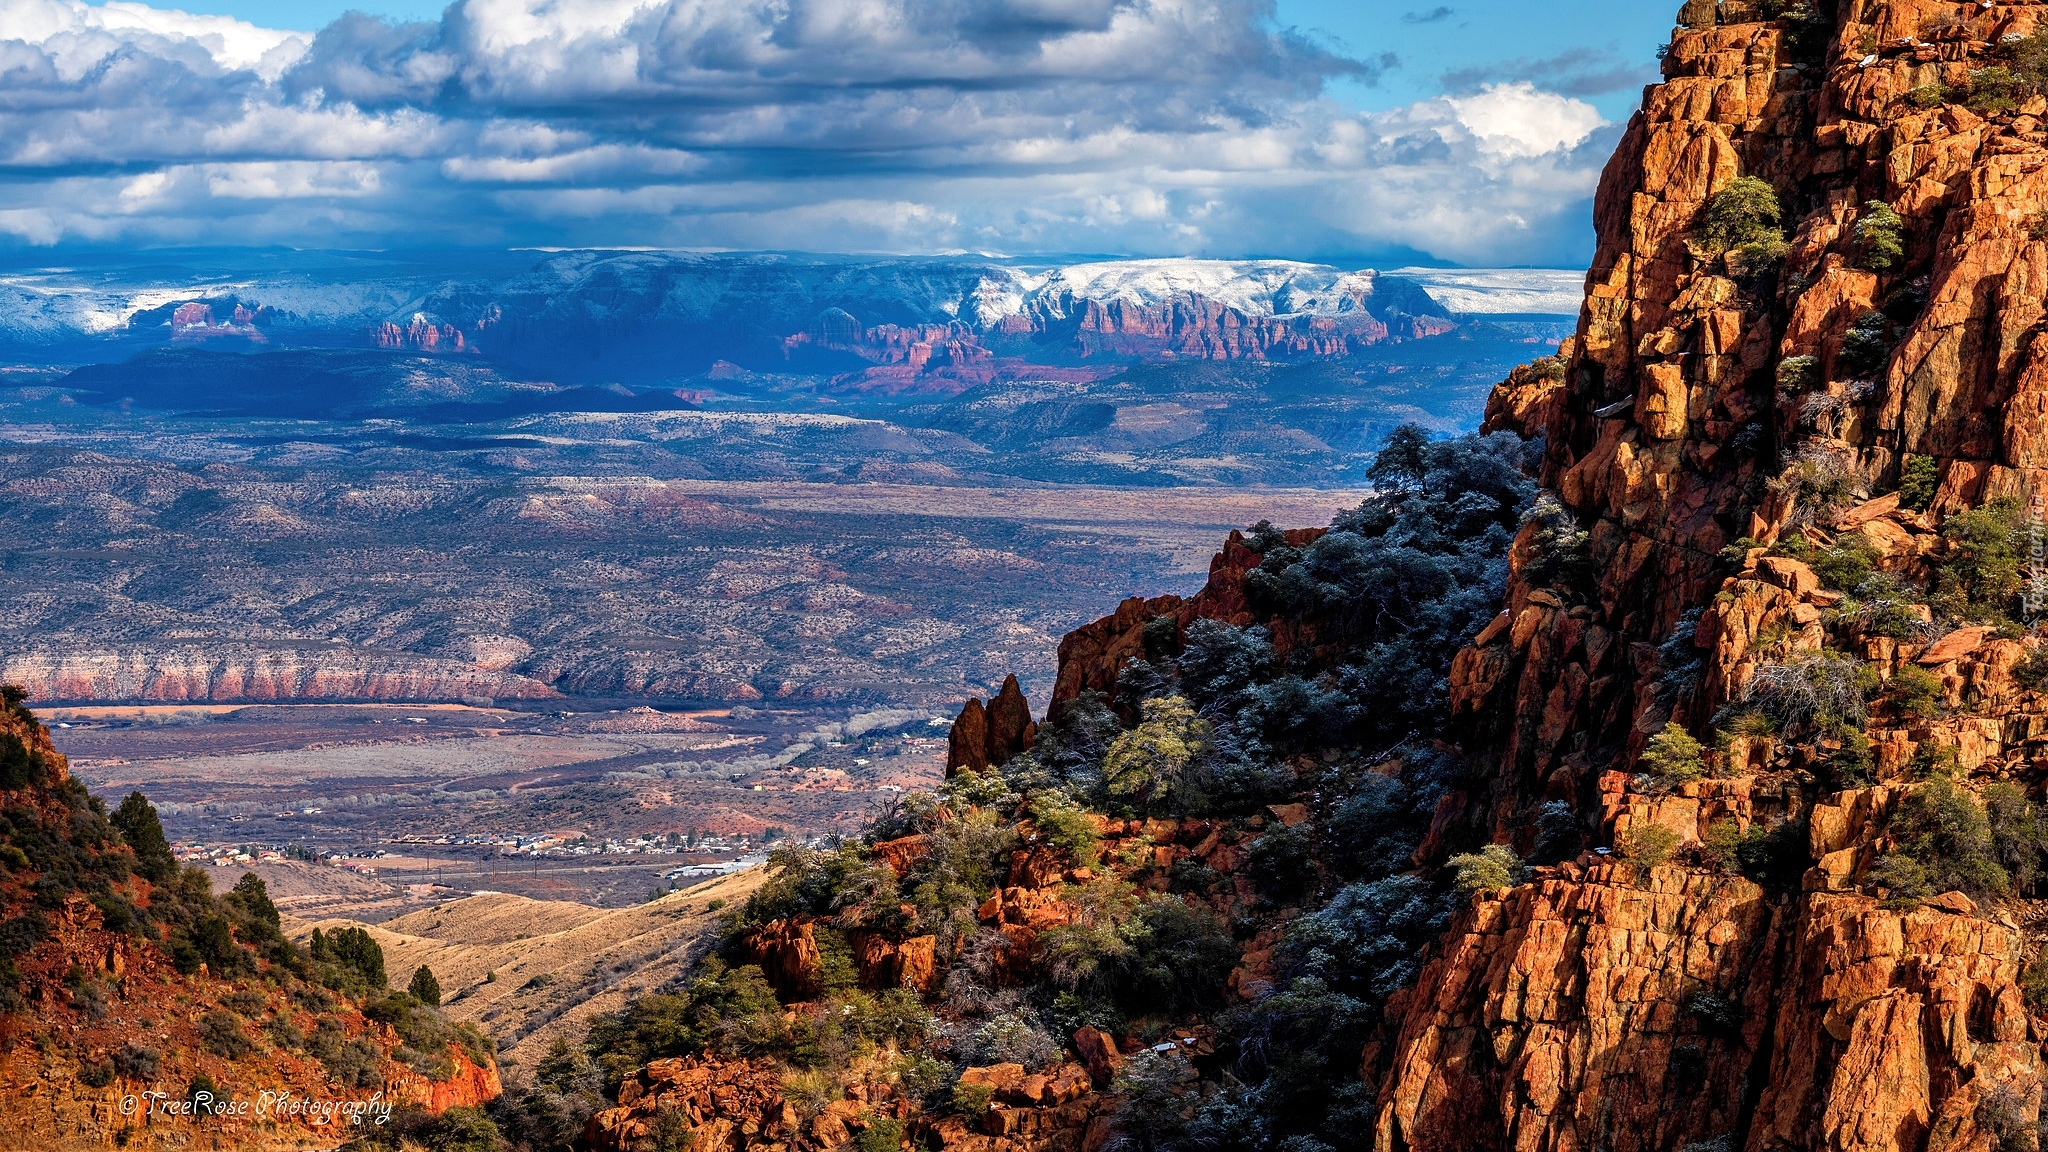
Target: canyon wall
point(1629, 1006)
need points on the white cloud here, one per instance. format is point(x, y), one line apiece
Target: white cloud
point(1168, 127)
point(1520, 121)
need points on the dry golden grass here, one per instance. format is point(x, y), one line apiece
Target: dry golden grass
point(556, 964)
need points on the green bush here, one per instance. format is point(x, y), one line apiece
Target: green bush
point(2034, 983)
point(883, 1134)
point(1798, 374)
point(1283, 862)
point(1918, 481)
point(972, 1099)
point(730, 1009)
point(1927, 96)
point(2032, 670)
point(1996, 89)
point(1880, 237)
point(1822, 692)
point(1145, 764)
point(1942, 842)
point(1647, 845)
point(352, 960)
point(1491, 868)
point(1673, 757)
point(1181, 958)
point(1065, 825)
point(1979, 577)
point(424, 987)
point(1914, 691)
point(1866, 346)
point(1741, 222)
point(964, 858)
point(1847, 564)
point(222, 1034)
point(2018, 836)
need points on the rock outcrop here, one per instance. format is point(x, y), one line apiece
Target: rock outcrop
point(1709, 426)
point(990, 734)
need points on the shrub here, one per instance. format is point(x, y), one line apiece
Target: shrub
point(733, 1010)
point(1741, 222)
point(2032, 670)
point(1918, 481)
point(1979, 577)
point(2034, 983)
point(1866, 346)
point(1798, 374)
point(1775, 858)
point(350, 1063)
point(1647, 845)
point(1880, 237)
point(96, 1073)
point(1996, 89)
point(883, 1134)
point(140, 829)
point(1942, 841)
point(136, 1061)
point(1015, 1038)
point(1821, 484)
point(1721, 843)
point(354, 960)
point(1367, 941)
point(1915, 692)
point(2017, 834)
point(1492, 867)
point(1673, 756)
point(283, 1033)
point(221, 1033)
point(1822, 691)
point(1847, 564)
point(972, 1099)
point(1146, 763)
point(1558, 553)
point(1926, 96)
point(1065, 825)
point(424, 987)
point(1181, 957)
point(1283, 862)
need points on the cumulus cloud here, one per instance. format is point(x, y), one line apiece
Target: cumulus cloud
point(1146, 126)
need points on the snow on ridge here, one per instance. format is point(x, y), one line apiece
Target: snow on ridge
point(1482, 291)
point(1253, 287)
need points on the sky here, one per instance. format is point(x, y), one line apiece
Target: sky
point(1350, 131)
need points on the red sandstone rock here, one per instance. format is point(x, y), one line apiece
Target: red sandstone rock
point(788, 955)
point(1099, 1052)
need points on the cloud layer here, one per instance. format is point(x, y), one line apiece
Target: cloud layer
point(1144, 126)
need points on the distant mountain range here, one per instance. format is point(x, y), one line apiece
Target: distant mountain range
point(889, 326)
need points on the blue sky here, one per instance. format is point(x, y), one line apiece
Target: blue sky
point(1467, 132)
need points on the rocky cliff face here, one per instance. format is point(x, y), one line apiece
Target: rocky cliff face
point(1712, 424)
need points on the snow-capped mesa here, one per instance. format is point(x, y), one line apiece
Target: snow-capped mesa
point(645, 316)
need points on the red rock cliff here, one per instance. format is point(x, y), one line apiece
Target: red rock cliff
point(1625, 1006)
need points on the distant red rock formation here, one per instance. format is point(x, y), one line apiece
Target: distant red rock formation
point(193, 323)
point(421, 335)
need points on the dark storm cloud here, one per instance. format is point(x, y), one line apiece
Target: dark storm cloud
point(1160, 126)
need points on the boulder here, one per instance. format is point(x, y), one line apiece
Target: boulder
point(1099, 1053)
